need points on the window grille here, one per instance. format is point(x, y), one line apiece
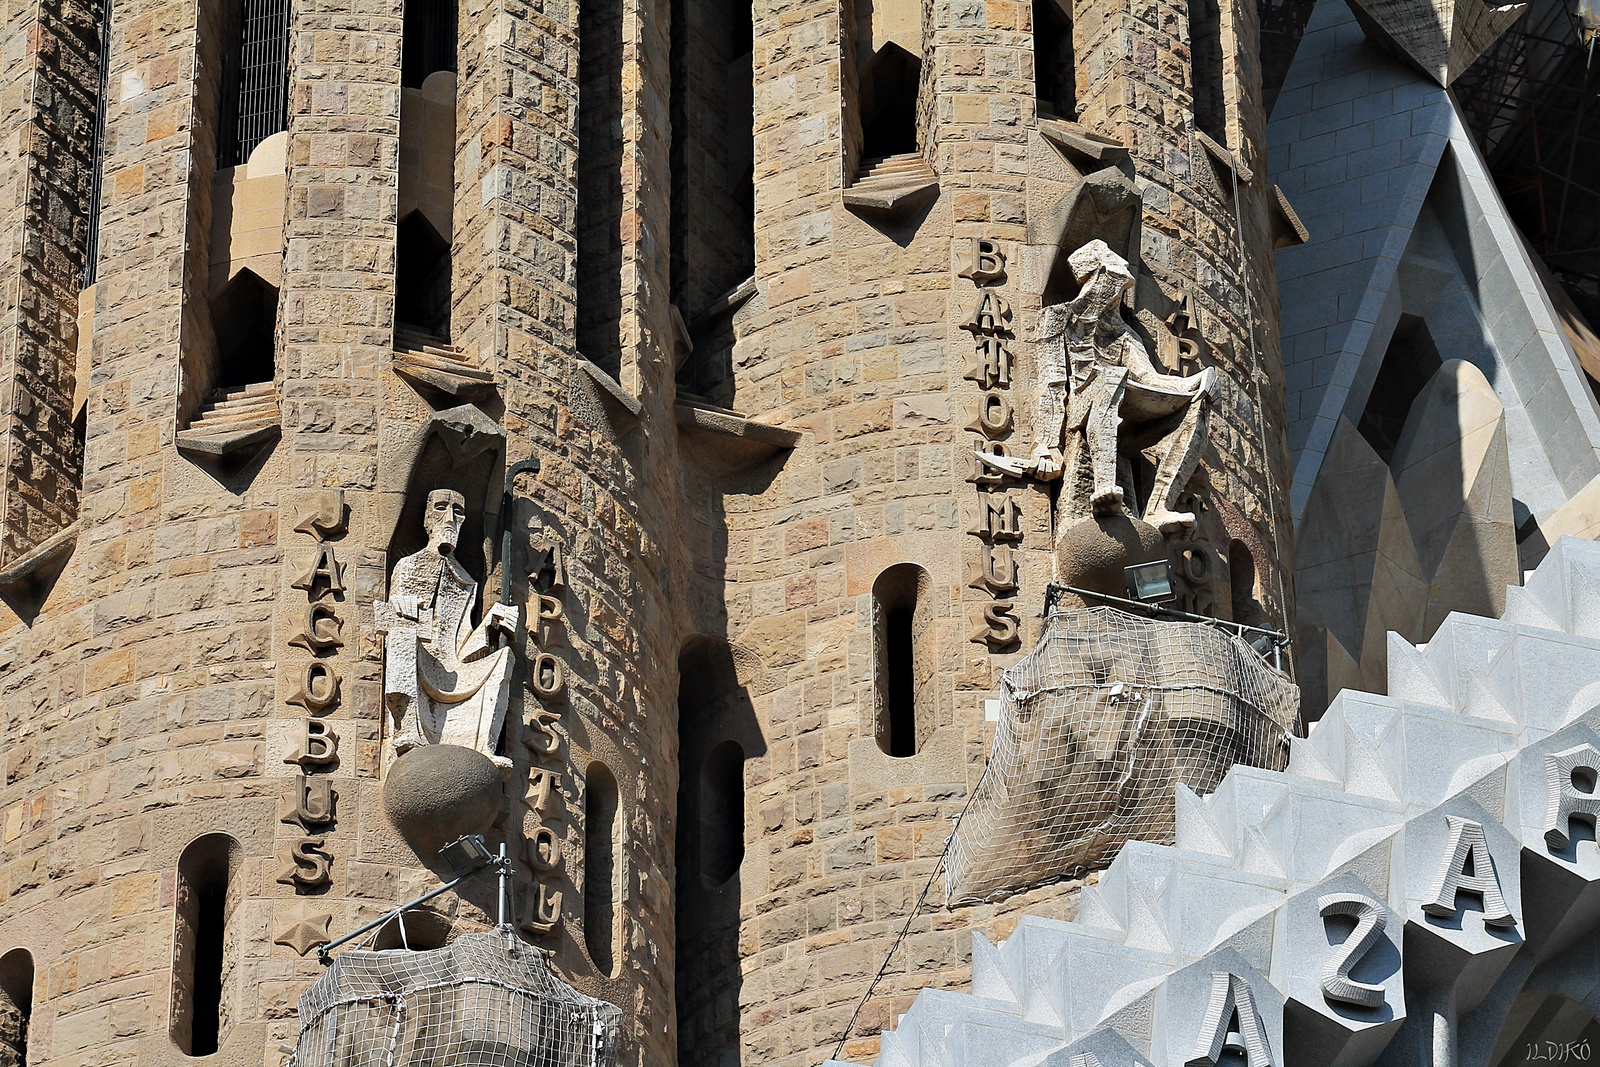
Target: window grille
point(255, 78)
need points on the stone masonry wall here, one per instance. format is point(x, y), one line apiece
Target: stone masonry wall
point(855, 339)
point(52, 62)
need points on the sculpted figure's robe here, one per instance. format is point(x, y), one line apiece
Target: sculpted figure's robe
point(441, 675)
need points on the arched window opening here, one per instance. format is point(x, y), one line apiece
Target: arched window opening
point(602, 842)
point(1409, 363)
point(428, 34)
point(717, 732)
point(1242, 584)
point(600, 176)
point(422, 277)
point(244, 316)
point(904, 663)
point(888, 90)
point(203, 954)
point(713, 181)
point(1206, 57)
point(1055, 74)
point(255, 77)
point(16, 1005)
point(722, 813)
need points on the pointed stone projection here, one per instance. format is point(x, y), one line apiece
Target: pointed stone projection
point(1357, 572)
point(1400, 546)
point(1393, 897)
point(1453, 473)
point(1440, 38)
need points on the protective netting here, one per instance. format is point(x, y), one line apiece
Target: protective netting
point(1096, 724)
point(484, 1000)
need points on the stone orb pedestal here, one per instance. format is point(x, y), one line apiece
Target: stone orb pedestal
point(1092, 552)
point(437, 793)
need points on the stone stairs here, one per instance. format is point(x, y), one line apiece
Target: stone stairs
point(232, 420)
point(893, 183)
point(431, 364)
point(1238, 928)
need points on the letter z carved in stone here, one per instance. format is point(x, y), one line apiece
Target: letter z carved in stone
point(1370, 920)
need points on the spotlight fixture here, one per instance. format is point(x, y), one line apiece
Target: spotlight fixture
point(466, 854)
point(1150, 583)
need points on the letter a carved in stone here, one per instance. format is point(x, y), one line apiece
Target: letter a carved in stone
point(1231, 1024)
point(1468, 850)
point(324, 567)
point(1567, 801)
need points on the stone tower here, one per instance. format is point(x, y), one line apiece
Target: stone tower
point(703, 310)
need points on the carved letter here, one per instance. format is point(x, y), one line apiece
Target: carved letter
point(985, 261)
point(998, 571)
point(542, 737)
point(1566, 800)
point(539, 783)
point(310, 803)
point(1370, 920)
point(1231, 1024)
point(991, 363)
point(320, 747)
point(982, 473)
point(321, 628)
point(546, 911)
point(998, 518)
point(309, 867)
point(992, 315)
point(995, 415)
point(544, 851)
point(549, 573)
point(1467, 848)
point(319, 687)
point(321, 514)
point(324, 567)
point(550, 611)
point(999, 627)
point(547, 677)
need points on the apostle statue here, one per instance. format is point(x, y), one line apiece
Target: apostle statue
point(1101, 401)
point(444, 680)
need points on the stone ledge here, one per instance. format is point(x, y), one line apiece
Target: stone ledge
point(1081, 144)
point(732, 441)
point(611, 390)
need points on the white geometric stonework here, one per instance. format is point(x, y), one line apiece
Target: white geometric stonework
point(1421, 875)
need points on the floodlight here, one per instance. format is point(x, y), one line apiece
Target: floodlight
point(466, 854)
point(1150, 583)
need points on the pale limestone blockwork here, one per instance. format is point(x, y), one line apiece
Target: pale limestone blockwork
point(247, 218)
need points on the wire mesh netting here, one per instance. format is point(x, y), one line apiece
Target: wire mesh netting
point(484, 1000)
point(1096, 724)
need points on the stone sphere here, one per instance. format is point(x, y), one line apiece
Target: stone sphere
point(437, 793)
point(1091, 553)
